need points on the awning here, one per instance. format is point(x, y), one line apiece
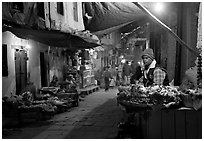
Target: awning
point(110, 16)
point(54, 38)
point(109, 30)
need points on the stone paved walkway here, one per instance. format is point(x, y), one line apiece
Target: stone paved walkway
point(95, 118)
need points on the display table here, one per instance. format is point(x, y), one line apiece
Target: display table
point(88, 90)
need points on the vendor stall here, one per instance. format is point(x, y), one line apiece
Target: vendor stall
point(161, 112)
point(24, 108)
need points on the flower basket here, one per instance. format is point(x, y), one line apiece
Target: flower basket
point(192, 101)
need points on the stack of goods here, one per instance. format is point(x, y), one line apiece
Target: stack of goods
point(61, 105)
point(43, 107)
point(140, 96)
point(66, 94)
point(34, 110)
point(50, 90)
point(160, 96)
point(51, 104)
point(70, 98)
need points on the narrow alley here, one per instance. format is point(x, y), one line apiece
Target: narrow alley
point(101, 70)
point(96, 118)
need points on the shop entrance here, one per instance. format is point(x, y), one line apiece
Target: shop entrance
point(43, 69)
point(21, 69)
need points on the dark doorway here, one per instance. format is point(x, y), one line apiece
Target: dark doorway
point(21, 70)
point(43, 69)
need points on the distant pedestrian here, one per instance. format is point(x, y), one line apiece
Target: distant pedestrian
point(113, 75)
point(117, 77)
point(107, 77)
point(126, 73)
point(120, 73)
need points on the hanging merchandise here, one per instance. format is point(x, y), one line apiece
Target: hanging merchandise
point(69, 61)
point(74, 62)
point(86, 55)
point(199, 72)
point(95, 55)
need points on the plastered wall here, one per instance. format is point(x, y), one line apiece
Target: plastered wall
point(56, 62)
point(64, 22)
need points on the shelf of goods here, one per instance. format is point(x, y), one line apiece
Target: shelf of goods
point(88, 78)
point(164, 112)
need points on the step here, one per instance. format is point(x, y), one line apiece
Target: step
point(88, 90)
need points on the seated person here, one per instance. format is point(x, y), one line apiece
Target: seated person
point(54, 82)
point(70, 79)
point(70, 84)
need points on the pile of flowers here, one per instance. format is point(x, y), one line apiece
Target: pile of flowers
point(155, 95)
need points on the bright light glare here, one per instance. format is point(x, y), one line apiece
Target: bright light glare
point(27, 46)
point(159, 7)
point(123, 61)
point(121, 57)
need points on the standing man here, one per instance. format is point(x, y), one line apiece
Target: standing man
point(152, 73)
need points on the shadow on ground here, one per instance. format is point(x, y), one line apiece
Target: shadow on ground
point(100, 123)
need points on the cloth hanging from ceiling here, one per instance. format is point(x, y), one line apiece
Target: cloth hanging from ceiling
point(109, 16)
point(53, 38)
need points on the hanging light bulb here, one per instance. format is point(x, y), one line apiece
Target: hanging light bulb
point(159, 7)
point(27, 46)
point(123, 61)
